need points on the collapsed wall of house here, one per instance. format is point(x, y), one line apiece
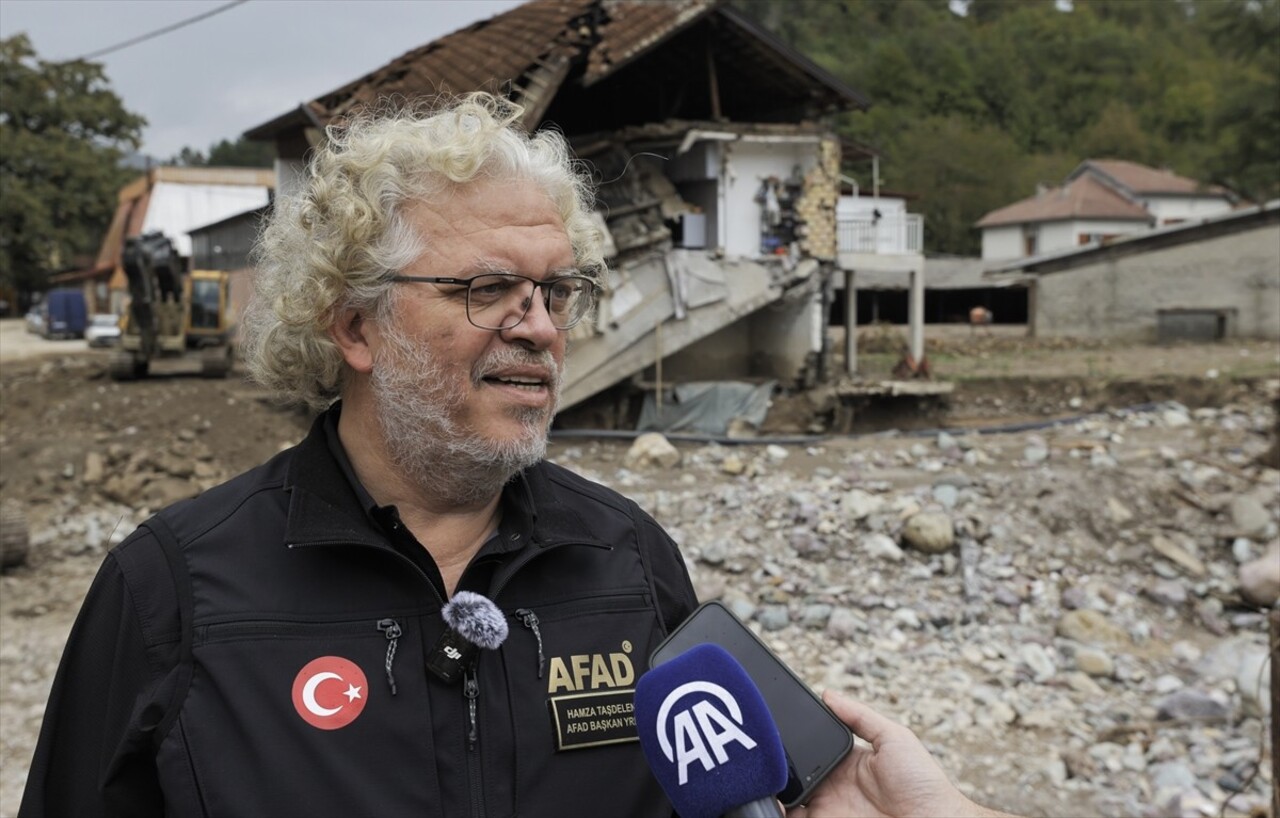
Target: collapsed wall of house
point(720, 240)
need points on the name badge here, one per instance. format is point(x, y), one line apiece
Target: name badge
point(594, 719)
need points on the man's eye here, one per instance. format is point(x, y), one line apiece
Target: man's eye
point(491, 287)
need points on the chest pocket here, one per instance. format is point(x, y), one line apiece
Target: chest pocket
point(308, 709)
point(571, 670)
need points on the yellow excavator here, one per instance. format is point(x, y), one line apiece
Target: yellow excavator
point(172, 313)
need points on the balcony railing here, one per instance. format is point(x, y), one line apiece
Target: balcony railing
point(896, 234)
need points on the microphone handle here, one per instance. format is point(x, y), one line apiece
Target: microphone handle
point(759, 808)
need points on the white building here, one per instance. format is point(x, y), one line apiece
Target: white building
point(1099, 201)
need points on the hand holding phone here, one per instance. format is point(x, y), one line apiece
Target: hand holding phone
point(814, 739)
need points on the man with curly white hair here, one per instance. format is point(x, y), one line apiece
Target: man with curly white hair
point(272, 647)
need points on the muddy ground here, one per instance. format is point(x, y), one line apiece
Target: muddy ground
point(87, 458)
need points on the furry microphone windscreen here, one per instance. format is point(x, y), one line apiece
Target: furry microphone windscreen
point(477, 619)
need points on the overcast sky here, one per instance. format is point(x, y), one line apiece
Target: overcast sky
point(220, 76)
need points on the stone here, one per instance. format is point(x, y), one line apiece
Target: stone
point(1175, 418)
point(1117, 511)
point(816, 615)
point(1167, 592)
point(946, 495)
point(776, 453)
point(882, 546)
point(1090, 627)
point(844, 624)
point(1191, 704)
point(733, 465)
point(94, 468)
point(651, 449)
point(1038, 659)
point(1094, 662)
point(1248, 516)
point(1177, 555)
point(1260, 578)
point(907, 618)
point(166, 491)
point(1035, 453)
point(930, 532)
point(946, 442)
point(774, 617)
point(858, 504)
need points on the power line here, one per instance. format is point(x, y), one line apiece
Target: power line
point(174, 27)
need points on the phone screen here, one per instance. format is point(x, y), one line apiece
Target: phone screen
point(813, 738)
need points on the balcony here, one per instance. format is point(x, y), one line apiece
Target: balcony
point(891, 235)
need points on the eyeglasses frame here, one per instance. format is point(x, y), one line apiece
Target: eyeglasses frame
point(537, 285)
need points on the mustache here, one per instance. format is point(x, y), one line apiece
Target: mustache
point(515, 357)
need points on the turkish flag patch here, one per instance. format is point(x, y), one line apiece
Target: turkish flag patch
point(330, 692)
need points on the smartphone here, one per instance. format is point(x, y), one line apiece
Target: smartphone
point(814, 739)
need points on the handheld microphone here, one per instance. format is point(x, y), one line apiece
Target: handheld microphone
point(709, 737)
point(474, 622)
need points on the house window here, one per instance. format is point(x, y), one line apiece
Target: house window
point(1095, 238)
point(1030, 240)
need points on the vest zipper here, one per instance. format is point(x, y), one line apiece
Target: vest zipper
point(391, 628)
point(530, 620)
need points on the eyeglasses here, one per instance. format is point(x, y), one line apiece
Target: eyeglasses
point(498, 301)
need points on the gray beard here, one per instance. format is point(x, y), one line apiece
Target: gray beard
point(416, 402)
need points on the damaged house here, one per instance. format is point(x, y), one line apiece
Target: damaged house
point(719, 180)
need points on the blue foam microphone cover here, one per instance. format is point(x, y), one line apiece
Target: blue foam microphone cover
point(707, 734)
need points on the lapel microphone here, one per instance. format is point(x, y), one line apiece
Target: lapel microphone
point(472, 622)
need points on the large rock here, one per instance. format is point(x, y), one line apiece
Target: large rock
point(930, 532)
point(1260, 578)
point(652, 449)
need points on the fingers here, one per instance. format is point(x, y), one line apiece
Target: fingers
point(865, 722)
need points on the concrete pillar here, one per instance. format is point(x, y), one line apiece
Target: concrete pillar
point(915, 314)
point(850, 324)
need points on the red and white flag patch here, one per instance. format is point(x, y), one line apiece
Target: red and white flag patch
point(330, 692)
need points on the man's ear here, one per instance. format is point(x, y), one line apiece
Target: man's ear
point(351, 332)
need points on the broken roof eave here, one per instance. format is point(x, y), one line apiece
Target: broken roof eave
point(794, 58)
point(300, 117)
point(803, 63)
point(649, 46)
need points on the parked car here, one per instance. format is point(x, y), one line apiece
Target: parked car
point(65, 313)
point(35, 321)
point(103, 330)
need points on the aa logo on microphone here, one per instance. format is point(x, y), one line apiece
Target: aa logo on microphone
point(703, 731)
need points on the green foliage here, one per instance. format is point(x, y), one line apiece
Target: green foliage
point(242, 153)
point(970, 111)
point(62, 131)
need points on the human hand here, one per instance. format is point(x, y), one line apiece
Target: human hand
point(895, 776)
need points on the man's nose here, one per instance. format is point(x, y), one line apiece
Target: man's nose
point(536, 330)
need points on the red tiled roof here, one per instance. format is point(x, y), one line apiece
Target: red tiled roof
point(529, 52)
point(1081, 198)
point(1145, 181)
point(634, 27)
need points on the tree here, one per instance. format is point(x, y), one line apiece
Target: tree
point(242, 153)
point(62, 131)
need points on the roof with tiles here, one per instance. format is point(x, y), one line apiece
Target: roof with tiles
point(533, 51)
point(1141, 180)
point(1082, 198)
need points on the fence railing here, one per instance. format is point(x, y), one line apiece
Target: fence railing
point(887, 235)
